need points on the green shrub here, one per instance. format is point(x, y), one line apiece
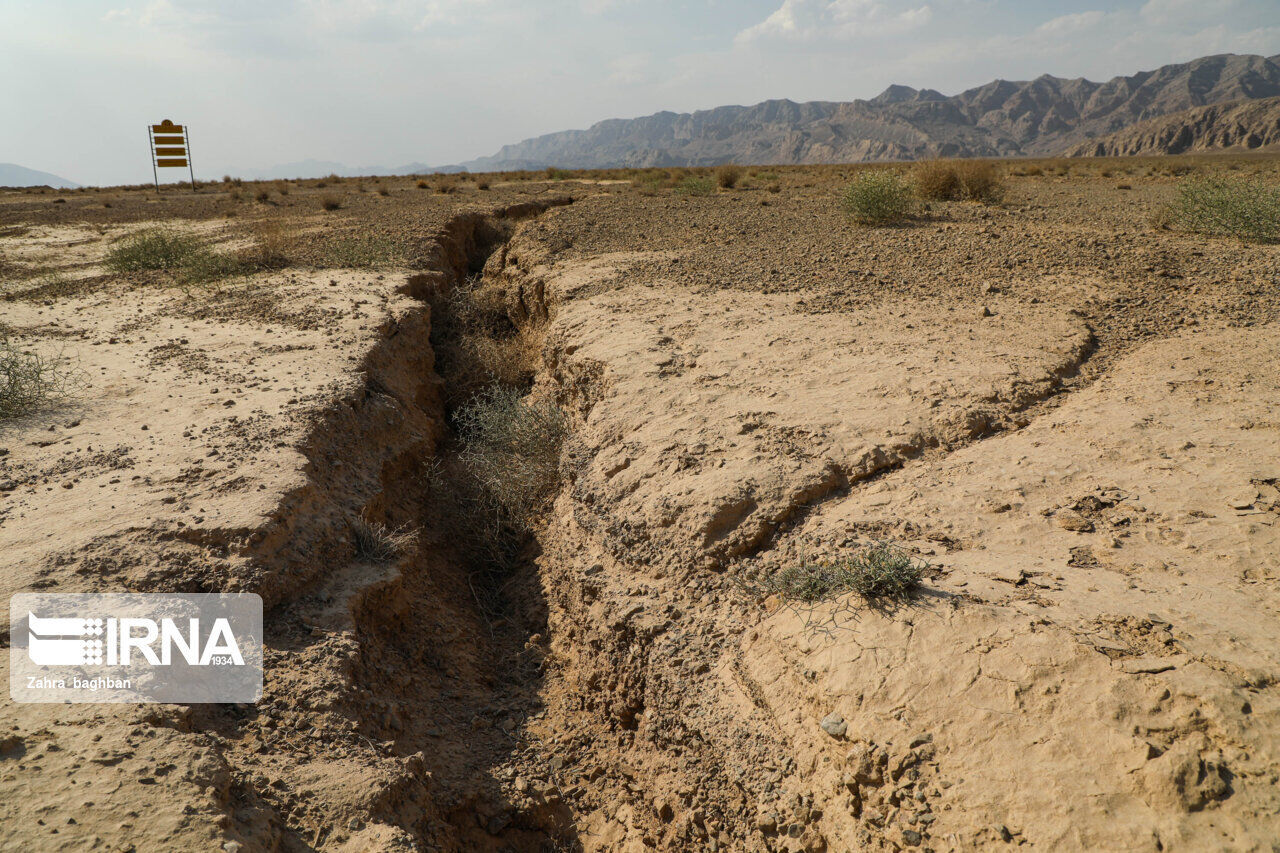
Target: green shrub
point(512, 449)
point(1232, 206)
point(153, 249)
point(878, 197)
point(554, 174)
point(879, 571)
point(170, 251)
point(696, 185)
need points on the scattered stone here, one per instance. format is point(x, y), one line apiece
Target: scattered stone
point(834, 725)
point(1075, 522)
point(911, 837)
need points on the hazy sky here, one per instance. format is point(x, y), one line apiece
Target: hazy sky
point(387, 82)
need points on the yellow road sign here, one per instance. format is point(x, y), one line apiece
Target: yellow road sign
point(170, 148)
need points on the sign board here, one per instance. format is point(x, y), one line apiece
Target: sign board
point(170, 148)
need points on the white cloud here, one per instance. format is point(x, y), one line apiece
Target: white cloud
point(1071, 24)
point(815, 20)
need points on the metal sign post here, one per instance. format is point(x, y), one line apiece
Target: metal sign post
point(170, 147)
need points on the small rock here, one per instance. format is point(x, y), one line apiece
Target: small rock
point(911, 837)
point(985, 312)
point(232, 846)
point(834, 725)
point(767, 822)
point(1075, 522)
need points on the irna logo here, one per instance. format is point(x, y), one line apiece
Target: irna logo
point(127, 647)
point(75, 641)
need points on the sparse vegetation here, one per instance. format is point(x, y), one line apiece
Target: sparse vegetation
point(153, 249)
point(878, 197)
point(1229, 206)
point(936, 181)
point(29, 380)
point(512, 448)
point(880, 571)
point(190, 258)
point(696, 185)
point(972, 180)
point(377, 543)
point(330, 202)
point(554, 174)
point(728, 175)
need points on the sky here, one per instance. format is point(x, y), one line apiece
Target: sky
point(389, 82)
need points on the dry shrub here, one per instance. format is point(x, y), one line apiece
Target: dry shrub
point(422, 185)
point(383, 191)
point(728, 175)
point(330, 202)
point(482, 183)
point(980, 180)
point(511, 446)
point(29, 380)
point(447, 186)
point(880, 571)
point(478, 345)
point(936, 180)
point(377, 543)
point(263, 195)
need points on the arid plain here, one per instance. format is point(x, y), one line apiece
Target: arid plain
point(1058, 403)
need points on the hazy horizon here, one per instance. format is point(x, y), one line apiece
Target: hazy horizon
point(391, 82)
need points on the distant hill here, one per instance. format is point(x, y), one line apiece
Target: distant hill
point(1037, 117)
point(13, 175)
point(323, 168)
point(1238, 125)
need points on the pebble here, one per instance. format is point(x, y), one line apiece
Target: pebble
point(834, 725)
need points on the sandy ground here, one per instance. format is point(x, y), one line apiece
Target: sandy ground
point(1066, 413)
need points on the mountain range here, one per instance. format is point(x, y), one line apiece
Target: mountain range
point(1233, 126)
point(1043, 117)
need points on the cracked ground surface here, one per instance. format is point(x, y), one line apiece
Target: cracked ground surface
point(1067, 413)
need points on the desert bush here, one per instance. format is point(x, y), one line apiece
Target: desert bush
point(1229, 206)
point(447, 186)
point(330, 202)
point(383, 191)
point(422, 185)
point(1035, 171)
point(482, 183)
point(377, 543)
point(153, 249)
point(263, 195)
point(696, 185)
point(880, 571)
point(936, 181)
point(980, 181)
point(511, 446)
point(877, 197)
point(29, 380)
point(477, 344)
point(774, 188)
point(554, 174)
point(728, 175)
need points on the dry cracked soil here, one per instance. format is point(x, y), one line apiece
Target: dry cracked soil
point(1068, 414)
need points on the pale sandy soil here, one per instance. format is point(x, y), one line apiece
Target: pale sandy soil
point(1068, 415)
